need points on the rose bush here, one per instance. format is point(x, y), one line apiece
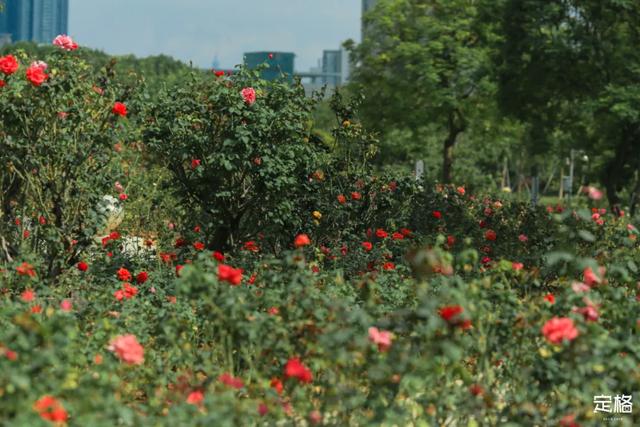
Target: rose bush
point(58, 154)
point(294, 284)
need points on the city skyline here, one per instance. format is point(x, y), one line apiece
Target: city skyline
point(304, 27)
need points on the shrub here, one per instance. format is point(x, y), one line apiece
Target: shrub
point(58, 156)
point(238, 162)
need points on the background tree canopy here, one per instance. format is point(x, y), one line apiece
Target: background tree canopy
point(530, 80)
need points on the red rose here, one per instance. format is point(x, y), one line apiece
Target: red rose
point(355, 196)
point(229, 274)
point(195, 397)
point(296, 369)
point(198, 246)
point(231, 381)
point(120, 109)
point(50, 409)
point(449, 312)
point(341, 199)
point(490, 235)
point(389, 266)
point(436, 214)
point(476, 390)
point(367, 246)
point(8, 64)
point(219, 256)
point(36, 75)
point(276, 384)
point(381, 233)
point(124, 275)
point(301, 240)
point(82, 266)
point(251, 246)
point(558, 329)
point(142, 277)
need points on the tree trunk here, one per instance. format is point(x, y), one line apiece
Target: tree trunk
point(447, 165)
point(635, 194)
point(613, 176)
point(455, 129)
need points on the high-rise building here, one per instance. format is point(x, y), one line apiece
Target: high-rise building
point(35, 20)
point(331, 66)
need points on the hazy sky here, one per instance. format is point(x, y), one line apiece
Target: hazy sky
point(200, 30)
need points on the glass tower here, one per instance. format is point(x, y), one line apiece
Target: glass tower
point(35, 20)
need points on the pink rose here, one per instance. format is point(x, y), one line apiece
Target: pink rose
point(579, 287)
point(590, 278)
point(66, 305)
point(65, 42)
point(249, 95)
point(128, 349)
point(590, 312)
point(40, 64)
point(594, 193)
point(381, 338)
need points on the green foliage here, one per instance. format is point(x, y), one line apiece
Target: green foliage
point(403, 304)
point(425, 67)
point(571, 67)
point(57, 156)
point(238, 167)
point(488, 365)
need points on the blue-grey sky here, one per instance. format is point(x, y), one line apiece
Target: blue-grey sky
point(200, 30)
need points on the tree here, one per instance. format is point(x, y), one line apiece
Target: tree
point(424, 61)
point(573, 66)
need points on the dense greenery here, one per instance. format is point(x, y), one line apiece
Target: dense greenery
point(194, 248)
point(523, 80)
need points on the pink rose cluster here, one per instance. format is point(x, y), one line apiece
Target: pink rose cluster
point(249, 95)
point(65, 42)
